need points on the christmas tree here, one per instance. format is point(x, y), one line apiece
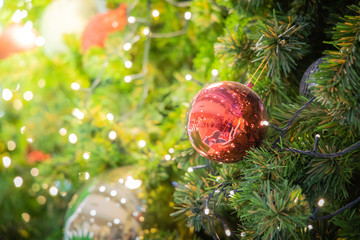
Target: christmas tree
point(105, 136)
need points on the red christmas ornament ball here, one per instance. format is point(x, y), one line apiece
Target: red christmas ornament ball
point(16, 38)
point(101, 25)
point(224, 120)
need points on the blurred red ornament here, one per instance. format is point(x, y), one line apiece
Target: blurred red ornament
point(101, 25)
point(16, 38)
point(224, 120)
point(34, 156)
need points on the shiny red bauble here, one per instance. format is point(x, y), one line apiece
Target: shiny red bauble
point(16, 38)
point(225, 120)
point(101, 25)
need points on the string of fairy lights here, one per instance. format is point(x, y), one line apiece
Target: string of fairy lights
point(8, 94)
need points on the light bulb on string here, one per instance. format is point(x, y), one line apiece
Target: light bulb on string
point(28, 95)
point(75, 86)
point(131, 19)
point(187, 15)
point(6, 162)
point(167, 157)
point(128, 64)
point(142, 143)
point(321, 202)
point(214, 72)
point(73, 138)
point(155, 13)
point(127, 46)
point(7, 94)
point(110, 116)
point(127, 79)
point(53, 191)
point(112, 135)
point(146, 31)
point(18, 181)
point(62, 131)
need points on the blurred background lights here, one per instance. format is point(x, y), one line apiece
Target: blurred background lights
point(28, 95)
point(131, 19)
point(87, 176)
point(18, 181)
point(127, 46)
point(19, 15)
point(7, 94)
point(72, 138)
point(110, 116)
point(142, 143)
point(214, 72)
point(78, 114)
point(39, 41)
point(116, 221)
point(228, 232)
point(127, 79)
point(155, 13)
point(53, 191)
point(30, 140)
point(41, 83)
point(17, 104)
point(109, 224)
point(188, 77)
point(128, 64)
point(86, 155)
point(75, 86)
point(6, 162)
point(102, 188)
point(187, 15)
point(22, 129)
point(92, 220)
point(167, 157)
point(93, 212)
point(25, 216)
point(34, 172)
point(11, 145)
point(41, 200)
point(113, 193)
point(112, 135)
point(132, 183)
point(62, 131)
point(146, 31)
point(171, 150)
point(123, 200)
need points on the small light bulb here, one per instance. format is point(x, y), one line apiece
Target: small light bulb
point(317, 136)
point(30, 140)
point(131, 19)
point(116, 221)
point(127, 79)
point(53, 191)
point(167, 157)
point(214, 72)
point(86, 155)
point(7, 94)
point(187, 15)
point(146, 31)
point(142, 143)
point(243, 234)
point(171, 150)
point(207, 211)
point(121, 180)
point(188, 77)
point(128, 64)
point(310, 227)
point(102, 188)
point(264, 123)
point(28, 95)
point(123, 200)
point(6, 162)
point(34, 172)
point(228, 232)
point(18, 181)
point(321, 202)
point(73, 138)
point(22, 129)
point(112, 135)
point(62, 131)
point(110, 116)
point(155, 13)
point(232, 193)
point(127, 46)
point(190, 169)
point(75, 86)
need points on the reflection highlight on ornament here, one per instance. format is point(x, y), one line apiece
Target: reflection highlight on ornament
point(106, 209)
